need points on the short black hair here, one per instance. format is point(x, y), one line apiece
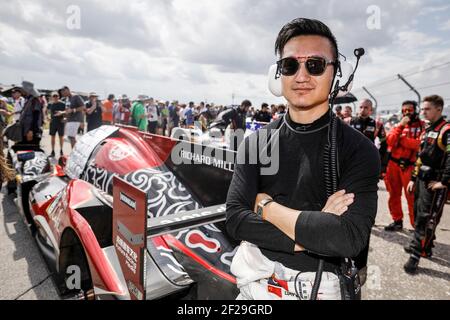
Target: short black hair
point(264, 105)
point(305, 27)
point(246, 103)
point(412, 102)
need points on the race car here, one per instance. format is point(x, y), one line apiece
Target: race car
point(130, 215)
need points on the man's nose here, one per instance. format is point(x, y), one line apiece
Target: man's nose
point(302, 74)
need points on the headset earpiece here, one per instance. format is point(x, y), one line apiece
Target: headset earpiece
point(275, 81)
point(344, 71)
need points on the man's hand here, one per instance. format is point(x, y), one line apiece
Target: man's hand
point(405, 120)
point(259, 197)
point(410, 187)
point(434, 185)
point(338, 203)
point(29, 135)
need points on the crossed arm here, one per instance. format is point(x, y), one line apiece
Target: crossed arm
point(285, 218)
point(341, 229)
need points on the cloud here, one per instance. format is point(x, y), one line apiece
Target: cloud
point(445, 26)
point(203, 49)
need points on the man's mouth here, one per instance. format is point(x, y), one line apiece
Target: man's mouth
point(303, 91)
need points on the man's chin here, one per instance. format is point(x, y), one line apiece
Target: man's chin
point(305, 104)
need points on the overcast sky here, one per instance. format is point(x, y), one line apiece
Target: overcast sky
point(209, 49)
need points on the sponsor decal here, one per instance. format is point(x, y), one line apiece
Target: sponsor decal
point(433, 135)
point(197, 239)
point(118, 153)
point(208, 160)
point(131, 256)
point(128, 201)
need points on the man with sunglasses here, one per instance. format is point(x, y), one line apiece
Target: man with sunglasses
point(288, 219)
point(403, 144)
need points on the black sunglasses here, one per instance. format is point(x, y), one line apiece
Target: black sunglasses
point(315, 66)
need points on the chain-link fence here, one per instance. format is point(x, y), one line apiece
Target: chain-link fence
point(415, 84)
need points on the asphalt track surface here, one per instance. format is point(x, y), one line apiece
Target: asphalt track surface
point(24, 274)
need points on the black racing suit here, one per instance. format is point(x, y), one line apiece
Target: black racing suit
point(373, 129)
point(237, 117)
point(262, 116)
point(31, 119)
point(299, 183)
point(433, 164)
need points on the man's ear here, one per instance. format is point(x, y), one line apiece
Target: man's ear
point(274, 81)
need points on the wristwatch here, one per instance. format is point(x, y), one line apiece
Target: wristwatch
point(261, 205)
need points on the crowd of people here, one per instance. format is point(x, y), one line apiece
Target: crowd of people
point(400, 148)
point(69, 114)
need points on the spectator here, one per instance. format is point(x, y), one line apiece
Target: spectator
point(174, 116)
point(107, 110)
point(116, 111)
point(124, 109)
point(5, 113)
point(31, 118)
point(152, 116)
point(263, 115)
point(338, 111)
point(273, 110)
point(237, 117)
point(8, 110)
point(281, 111)
point(93, 112)
point(251, 112)
point(347, 115)
point(57, 109)
point(189, 115)
point(19, 102)
point(164, 111)
point(44, 103)
point(206, 118)
point(74, 113)
point(138, 118)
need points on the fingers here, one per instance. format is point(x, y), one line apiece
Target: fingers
point(342, 199)
point(339, 203)
point(334, 197)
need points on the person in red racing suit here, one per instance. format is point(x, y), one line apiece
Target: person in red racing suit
point(403, 144)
